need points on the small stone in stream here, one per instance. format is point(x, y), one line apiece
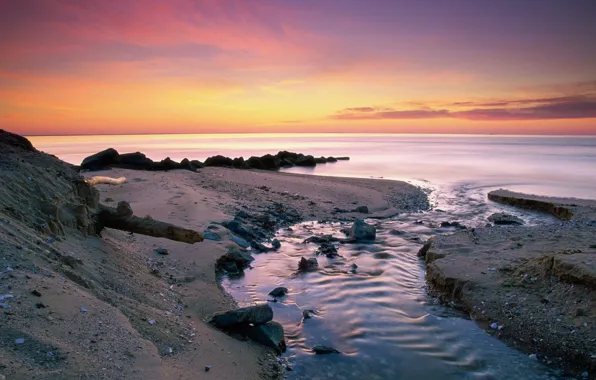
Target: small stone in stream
point(259, 247)
point(362, 209)
point(279, 292)
point(256, 315)
point(323, 350)
point(207, 368)
point(275, 244)
point(501, 218)
point(353, 268)
point(270, 334)
point(307, 314)
point(328, 250)
point(162, 251)
point(36, 293)
point(419, 222)
point(396, 232)
point(307, 265)
point(19, 341)
point(362, 231)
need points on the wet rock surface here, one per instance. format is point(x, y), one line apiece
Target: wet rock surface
point(501, 218)
point(362, 231)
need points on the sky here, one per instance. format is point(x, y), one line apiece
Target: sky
point(228, 66)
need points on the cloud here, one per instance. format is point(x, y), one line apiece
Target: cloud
point(567, 107)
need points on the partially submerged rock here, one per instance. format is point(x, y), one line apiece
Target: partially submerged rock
point(305, 265)
point(235, 260)
point(256, 315)
point(279, 292)
point(501, 218)
point(362, 231)
point(328, 250)
point(324, 350)
point(270, 334)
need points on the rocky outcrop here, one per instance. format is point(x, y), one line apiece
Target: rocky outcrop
point(306, 161)
point(562, 208)
point(235, 260)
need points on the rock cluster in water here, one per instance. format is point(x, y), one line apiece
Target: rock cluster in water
point(111, 158)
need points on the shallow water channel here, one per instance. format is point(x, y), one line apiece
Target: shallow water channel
point(381, 318)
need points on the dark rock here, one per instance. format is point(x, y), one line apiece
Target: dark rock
point(270, 334)
point(234, 226)
point(306, 161)
point(331, 159)
point(100, 160)
point(289, 157)
point(343, 158)
point(426, 247)
point(187, 165)
point(197, 164)
point(362, 231)
point(328, 250)
point(17, 141)
point(320, 239)
point(219, 161)
point(238, 240)
point(307, 265)
point(259, 247)
point(135, 160)
point(307, 314)
point(286, 163)
point(353, 268)
point(279, 292)
point(211, 236)
point(239, 257)
point(229, 266)
point(256, 315)
point(362, 209)
point(501, 218)
point(323, 350)
point(396, 232)
point(239, 163)
point(36, 293)
point(167, 164)
point(162, 251)
point(320, 160)
point(275, 244)
point(124, 210)
point(270, 162)
point(255, 163)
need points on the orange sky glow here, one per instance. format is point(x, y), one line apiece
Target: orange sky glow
point(276, 66)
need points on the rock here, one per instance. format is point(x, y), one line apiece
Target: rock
point(257, 315)
point(271, 162)
point(166, 164)
point(124, 210)
point(162, 251)
point(234, 226)
point(211, 236)
point(501, 218)
point(353, 268)
point(307, 314)
point(207, 368)
point(260, 247)
point(255, 163)
point(289, 157)
point(328, 250)
point(100, 160)
point(240, 257)
point(362, 209)
point(320, 239)
point(239, 163)
point(36, 293)
point(238, 240)
point(242, 214)
point(306, 161)
point(426, 247)
point(229, 266)
point(270, 334)
point(396, 232)
point(323, 350)
point(331, 159)
point(307, 265)
point(135, 160)
point(362, 231)
point(320, 160)
point(197, 164)
point(342, 158)
point(220, 161)
point(275, 244)
point(279, 292)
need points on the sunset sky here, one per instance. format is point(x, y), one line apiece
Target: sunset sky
point(218, 66)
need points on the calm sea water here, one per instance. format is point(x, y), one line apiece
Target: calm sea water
point(380, 317)
point(561, 166)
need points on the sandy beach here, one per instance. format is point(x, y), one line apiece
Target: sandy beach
point(79, 306)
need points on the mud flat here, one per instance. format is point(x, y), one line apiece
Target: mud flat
point(534, 287)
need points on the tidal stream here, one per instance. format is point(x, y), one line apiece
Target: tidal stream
point(381, 318)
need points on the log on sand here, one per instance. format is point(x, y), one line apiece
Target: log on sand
point(122, 218)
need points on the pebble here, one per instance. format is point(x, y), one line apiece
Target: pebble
point(19, 341)
point(207, 368)
point(151, 321)
point(83, 309)
point(162, 251)
point(533, 357)
point(494, 326)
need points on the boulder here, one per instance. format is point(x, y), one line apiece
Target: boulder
point(187, 165)
point(270, 334)
point(220, 161)
point(197, 164)
point(239, 163)
point(255, 163)
point(306, 161)
point(101, 160)
point(505, 219)
point(279, 292)
point(167, 164)
point(271, 162)
point(257, 315)
point(135, 160)
point(362, 231)
point(289, 157)
point(238, 240)
point(331, 159)
point(307, 265)
point(238, 256)
point(275, 244)
point(320, 160)
point(426, 247)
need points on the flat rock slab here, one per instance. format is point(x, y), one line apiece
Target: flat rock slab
point(256, 315)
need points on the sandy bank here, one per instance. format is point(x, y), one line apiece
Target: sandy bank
point(535, 285)
point(111, 307)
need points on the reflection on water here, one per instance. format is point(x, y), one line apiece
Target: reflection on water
point(560, 166)
point(380, 317)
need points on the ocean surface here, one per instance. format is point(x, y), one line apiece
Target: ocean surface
point(381, 317)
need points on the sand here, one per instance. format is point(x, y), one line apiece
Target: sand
point(536, 284)
point(109, 307)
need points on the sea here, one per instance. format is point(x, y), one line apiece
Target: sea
point(381, 318)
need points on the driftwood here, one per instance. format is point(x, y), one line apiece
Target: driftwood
point(105, 180)
point(123, 219)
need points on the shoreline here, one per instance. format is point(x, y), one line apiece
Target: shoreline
point(113, 305)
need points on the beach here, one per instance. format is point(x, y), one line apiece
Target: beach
point(76, 305)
